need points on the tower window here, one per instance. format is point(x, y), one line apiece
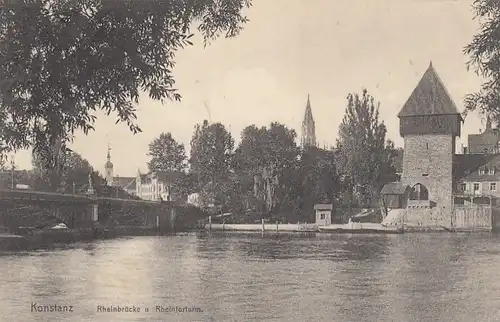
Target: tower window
point(493, 186)
point(463, 187)
point(491, 171)
point(476, 186)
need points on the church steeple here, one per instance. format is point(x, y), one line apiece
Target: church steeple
point(108, 167)
point(308, 127)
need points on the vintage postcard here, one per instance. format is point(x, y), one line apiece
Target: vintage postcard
point(249, 160)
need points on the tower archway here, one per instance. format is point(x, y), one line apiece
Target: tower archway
point(419, 192)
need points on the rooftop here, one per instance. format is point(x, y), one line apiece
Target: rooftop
point(466, 166)
point(430, 97)
point(394, 188)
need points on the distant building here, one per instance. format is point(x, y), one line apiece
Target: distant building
point(126, 183)
point(477, 174)
point(308, 127)
point(157, 186)
point(486, 142)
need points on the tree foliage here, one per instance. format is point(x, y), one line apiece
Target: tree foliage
point(62, 60)
point(319, 181)
point(361, 143)
point(484, 54)
point(212, 148)
point(166, 154)
point(74, 177)
point(269, 156)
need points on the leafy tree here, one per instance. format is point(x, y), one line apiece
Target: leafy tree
point(49, 178)
point(76, 172)
point(392, 163)
point(211, 160)
point(484, 53)
point(61, 60)
point(269, 156)
point(361, 143)
point(166, 154)
point(319, 180)
point(74, 175)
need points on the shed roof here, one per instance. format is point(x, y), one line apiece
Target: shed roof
point(323, 206)
point(394, 188)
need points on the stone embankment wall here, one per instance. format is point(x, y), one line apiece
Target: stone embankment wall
point(260, 227)
point(478, 218)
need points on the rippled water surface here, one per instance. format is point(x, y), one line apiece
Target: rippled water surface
point(355, 278)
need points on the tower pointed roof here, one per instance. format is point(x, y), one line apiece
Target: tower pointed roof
point(308, 128)
point(308, 116)
point(109, 164)
point(430, 97)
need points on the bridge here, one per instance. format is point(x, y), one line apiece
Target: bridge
point(28, 208)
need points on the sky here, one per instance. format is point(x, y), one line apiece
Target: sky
point(292, 48)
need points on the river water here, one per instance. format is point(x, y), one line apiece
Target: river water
point(411, 277)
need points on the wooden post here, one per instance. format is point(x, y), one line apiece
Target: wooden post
point(210, 223)
point(95, 212)
point(276, 226)
point(263, 225)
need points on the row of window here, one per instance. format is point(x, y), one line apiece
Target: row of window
point(476, 186)
point(485, 170)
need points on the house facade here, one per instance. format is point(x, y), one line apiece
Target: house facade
point(156, 186)
point(478, 175)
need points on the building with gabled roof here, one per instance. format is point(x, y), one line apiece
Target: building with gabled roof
point(485, 142)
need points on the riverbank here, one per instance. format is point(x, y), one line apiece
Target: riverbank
point(39, 239)
point(357, 228)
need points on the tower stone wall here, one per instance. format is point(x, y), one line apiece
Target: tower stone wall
point(428, 160)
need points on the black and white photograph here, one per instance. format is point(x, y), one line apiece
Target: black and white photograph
point(250, 160)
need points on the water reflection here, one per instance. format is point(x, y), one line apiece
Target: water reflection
point(417, 277)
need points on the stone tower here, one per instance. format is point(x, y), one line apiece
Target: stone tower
point(108, 167)
point(308, 127)
point(429, 122)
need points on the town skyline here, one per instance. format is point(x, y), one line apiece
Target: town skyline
point(266, 73)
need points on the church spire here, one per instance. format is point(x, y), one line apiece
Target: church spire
point(108, 167)
point(308, 126)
